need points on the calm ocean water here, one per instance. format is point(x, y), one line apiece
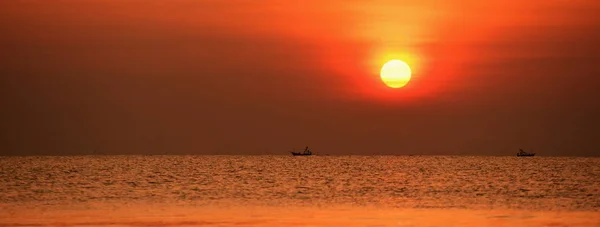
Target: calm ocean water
point(324, 183)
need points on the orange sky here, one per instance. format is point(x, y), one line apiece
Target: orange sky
point(187, 76)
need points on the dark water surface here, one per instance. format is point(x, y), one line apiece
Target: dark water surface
point(536, 184)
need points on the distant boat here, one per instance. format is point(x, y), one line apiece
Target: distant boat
point(524, 154)
point(306, 152)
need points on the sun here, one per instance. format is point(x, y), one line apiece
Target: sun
point(395, 73)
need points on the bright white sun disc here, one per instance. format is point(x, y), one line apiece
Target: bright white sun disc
point(395, 73)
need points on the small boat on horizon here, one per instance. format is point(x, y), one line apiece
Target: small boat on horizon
point(522, 153)
point(306, 152)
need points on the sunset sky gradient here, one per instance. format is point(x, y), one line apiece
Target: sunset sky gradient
point(263, 77)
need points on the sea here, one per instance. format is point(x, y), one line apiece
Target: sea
point(281, 190)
